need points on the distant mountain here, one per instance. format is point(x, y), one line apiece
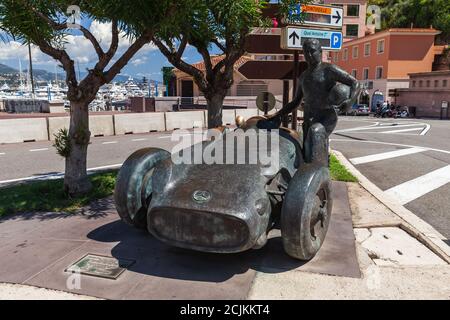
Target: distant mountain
point(4, 69)
point(44, 75)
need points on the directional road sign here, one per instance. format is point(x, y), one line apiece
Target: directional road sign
point(292, 38)
point(316, 15)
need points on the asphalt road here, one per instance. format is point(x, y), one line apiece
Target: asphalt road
point(409, 159)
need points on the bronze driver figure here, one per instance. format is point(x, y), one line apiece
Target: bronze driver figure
point(314, 88)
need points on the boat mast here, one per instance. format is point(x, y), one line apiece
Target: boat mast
point(31, 69)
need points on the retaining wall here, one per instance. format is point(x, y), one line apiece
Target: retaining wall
point(23, 130)
point(139, 123)
point(185, 120)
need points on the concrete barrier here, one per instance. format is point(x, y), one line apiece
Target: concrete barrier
point(22, 130)
point(228, 117)
point(57, 123)
point(101, 125)
point(139, 123)
point(247, 113)
point(165, 104)
point(185, 120)
point(98, 125)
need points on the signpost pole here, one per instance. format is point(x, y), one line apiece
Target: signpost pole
point(285, 119)
point(295, 76)
point(266, 103)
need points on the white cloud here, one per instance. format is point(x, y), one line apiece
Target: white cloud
point(78, 47)
point(139, 61)
point(14, 50)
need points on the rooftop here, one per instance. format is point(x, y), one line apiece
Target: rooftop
point(430, 74)
point(216, 59)
point(416, 31)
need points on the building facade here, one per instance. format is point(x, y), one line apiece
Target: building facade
point(429, 93)
point(384, 60)
point(242, 87)
point(354, 20)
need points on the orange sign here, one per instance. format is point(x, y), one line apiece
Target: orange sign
point(316, 9)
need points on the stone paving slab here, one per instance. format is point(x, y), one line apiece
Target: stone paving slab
point(41, 246)
point(338, 254)
point(395, 247)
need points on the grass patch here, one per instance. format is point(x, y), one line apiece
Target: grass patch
point(48, 196)
point(339, 172)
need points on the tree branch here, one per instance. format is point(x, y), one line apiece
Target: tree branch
point(88, 35)
point(181, 65)
point(207, 61)
point(63, 57)
point(219, 45)
point(106, 58)
point(182, 47)
point(62, 26)
point(145, 38)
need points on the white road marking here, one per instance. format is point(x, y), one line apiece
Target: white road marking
point(137, 140)
point(110, 142)
point(38, 150)
point(389, 144)
point(403, 130)
point(377, 127)
point(425, 131)
point(177, 135)
point(386, 155)
point(2, 153)
point(55, 176)
point(113, 166)
point(414, 189)
point(35, 178)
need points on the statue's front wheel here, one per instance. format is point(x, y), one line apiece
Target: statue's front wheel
point(134, 185)
point(306, 212)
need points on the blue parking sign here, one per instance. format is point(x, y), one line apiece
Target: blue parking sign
point(336, 40)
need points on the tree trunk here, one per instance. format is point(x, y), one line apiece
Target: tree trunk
point(215, 106)
point(76, 181)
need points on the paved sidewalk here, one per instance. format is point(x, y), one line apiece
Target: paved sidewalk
point(393, 263)
point(37, 248)
point(366, 255)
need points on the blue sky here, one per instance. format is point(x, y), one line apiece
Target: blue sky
point(148, 62)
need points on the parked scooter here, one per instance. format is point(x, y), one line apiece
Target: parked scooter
point(402, 112)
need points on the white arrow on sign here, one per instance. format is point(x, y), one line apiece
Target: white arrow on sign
point(336, 17)
point(293, 37)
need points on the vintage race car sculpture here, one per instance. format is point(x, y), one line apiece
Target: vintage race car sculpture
point(223, 208)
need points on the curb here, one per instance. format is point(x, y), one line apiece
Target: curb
point(411, 223)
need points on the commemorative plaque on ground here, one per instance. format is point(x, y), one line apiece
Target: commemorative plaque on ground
point(100, 266)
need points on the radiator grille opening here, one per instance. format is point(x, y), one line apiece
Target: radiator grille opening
point(200, 229)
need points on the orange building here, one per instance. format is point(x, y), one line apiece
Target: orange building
point(355, 15)
point(384, 60)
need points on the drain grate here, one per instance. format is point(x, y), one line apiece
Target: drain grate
point(100, 266)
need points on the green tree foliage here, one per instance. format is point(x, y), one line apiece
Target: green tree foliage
point(62, 142)
point(208, 23)
point(167, 74)
point(420, 13)
point(44, 23)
